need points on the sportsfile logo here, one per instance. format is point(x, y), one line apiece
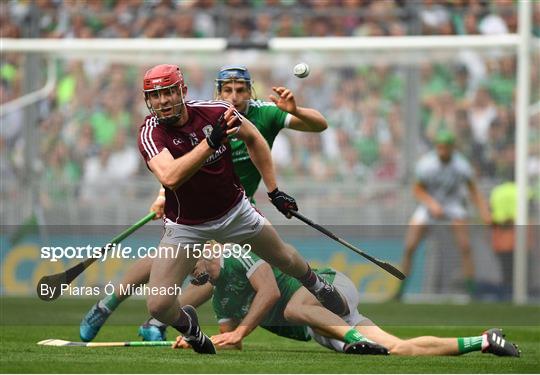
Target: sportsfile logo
point(118, 251)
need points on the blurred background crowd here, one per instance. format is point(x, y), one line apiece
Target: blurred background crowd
point(88, 125)
point(259, 20)
point(73, 157)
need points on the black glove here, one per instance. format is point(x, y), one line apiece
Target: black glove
point(219, 132)
point(283, 202)
point(201, 279)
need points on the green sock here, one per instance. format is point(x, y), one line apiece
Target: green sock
point(469, 344)
point(470, 285)
point(401, 289)
point(353, 335)
point(111, 302)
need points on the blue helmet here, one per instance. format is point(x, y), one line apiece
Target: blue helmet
point(233, 73)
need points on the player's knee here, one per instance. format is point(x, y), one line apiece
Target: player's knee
point(157, 306)
point(292, 313)
point(285, 260)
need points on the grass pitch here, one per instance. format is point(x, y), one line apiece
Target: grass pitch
point(25, 321)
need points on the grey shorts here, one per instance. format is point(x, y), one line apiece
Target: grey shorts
point(452, 211)
point(354, 318)
point(242, 222)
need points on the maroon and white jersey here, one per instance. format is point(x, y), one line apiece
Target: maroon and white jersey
point(212, 190)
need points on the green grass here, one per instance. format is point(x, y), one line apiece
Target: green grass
point(26, 321)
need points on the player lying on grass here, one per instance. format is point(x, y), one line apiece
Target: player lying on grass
point(234, 85)
point(248, 292)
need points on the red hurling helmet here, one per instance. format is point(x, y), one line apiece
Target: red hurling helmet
point(163, 77)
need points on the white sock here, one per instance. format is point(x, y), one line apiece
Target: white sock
point(319, 284)
point(157, 323)
point(102, 306)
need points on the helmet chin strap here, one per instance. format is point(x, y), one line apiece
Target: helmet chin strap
point(169, 120)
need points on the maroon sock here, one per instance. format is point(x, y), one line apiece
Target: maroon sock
point(309, 279)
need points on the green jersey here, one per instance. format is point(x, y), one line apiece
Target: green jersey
point(233, 295)
point(269, 119)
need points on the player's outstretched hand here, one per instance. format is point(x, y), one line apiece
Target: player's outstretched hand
point(283, 202)
point(285, 99)
point(180, 343)
point(228, 340)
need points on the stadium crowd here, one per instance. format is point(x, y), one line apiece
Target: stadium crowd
point(88, 125)
point(258, 20)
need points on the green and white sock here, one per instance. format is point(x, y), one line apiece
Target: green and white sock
point(110, 302)
point(470, 286)
point(469, 344)
point(353, 335)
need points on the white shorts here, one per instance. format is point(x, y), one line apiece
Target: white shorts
point(347, 289)
point(242, 222)
point(451, 212)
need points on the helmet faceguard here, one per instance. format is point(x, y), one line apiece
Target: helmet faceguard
point(233, 73)
point(164, 77)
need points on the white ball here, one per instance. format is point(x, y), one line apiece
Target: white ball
point(301, 70)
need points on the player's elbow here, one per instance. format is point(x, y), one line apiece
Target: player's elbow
point(274, 295)
point(165, 176)
point(322, 126)
point(170, 183)
point(172, 180)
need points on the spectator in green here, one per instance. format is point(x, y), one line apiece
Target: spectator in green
point(67, 85)
point(60, 177)
point(107, 121)
point(501, 81)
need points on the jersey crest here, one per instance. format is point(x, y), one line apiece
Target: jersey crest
point(207, 130)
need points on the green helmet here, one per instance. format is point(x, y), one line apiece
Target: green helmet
point(445, 137)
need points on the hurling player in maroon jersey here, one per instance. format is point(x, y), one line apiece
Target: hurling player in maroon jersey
point(184, 145)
